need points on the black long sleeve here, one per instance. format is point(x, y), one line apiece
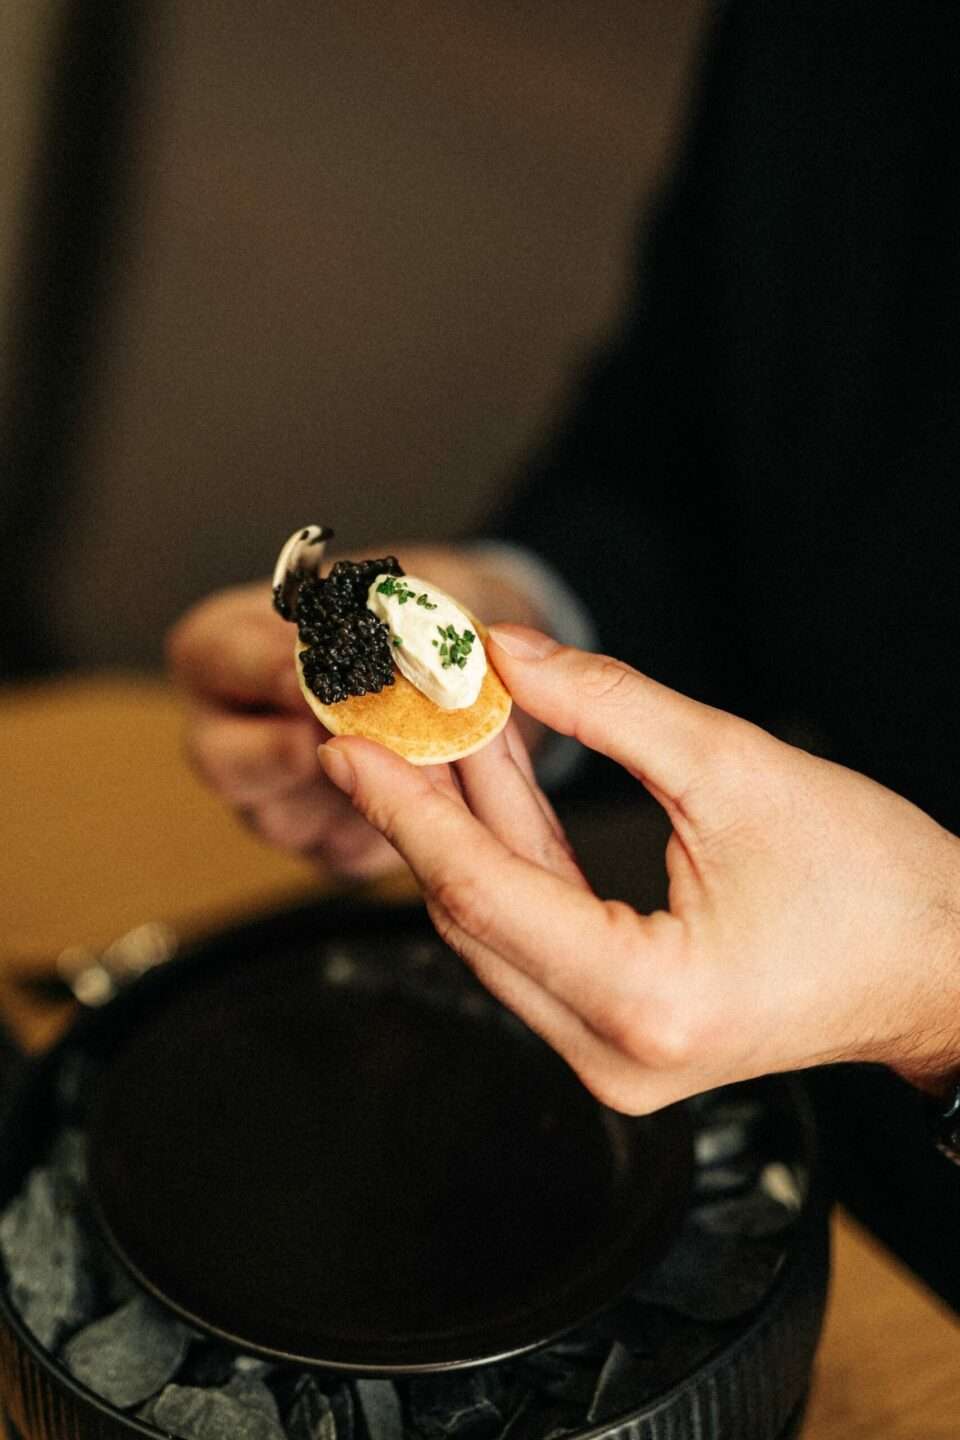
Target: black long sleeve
point(627, 499)
point(770, 457)
point(765, 464)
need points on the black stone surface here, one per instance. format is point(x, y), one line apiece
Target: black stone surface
point(48, 1254)
point(379, 1405)
point(319, 1413)
point(193, 1414)
point(128, 1355)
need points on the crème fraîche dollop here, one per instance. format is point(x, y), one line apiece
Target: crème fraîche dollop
point(434, 642)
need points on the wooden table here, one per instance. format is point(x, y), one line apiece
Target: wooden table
point(103, 828)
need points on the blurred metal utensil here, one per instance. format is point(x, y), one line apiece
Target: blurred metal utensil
point(92, 976)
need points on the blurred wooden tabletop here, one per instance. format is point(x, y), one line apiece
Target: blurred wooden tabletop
point(104, 828)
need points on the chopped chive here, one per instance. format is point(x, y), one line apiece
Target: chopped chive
point(455, 649)
point(393, 586)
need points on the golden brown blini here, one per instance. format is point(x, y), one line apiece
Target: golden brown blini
point(403, 719)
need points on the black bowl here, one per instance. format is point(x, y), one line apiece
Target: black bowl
point(389, 974)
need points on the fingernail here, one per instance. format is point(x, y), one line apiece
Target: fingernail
point(523, 643)
point(337, 768)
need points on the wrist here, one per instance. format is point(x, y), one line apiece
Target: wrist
point(943, 1116)
point(932, 1062)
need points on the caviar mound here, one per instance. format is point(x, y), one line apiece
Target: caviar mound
point(346, 649)
point(406, 721)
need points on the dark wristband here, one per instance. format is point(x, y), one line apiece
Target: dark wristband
point(945, 1123)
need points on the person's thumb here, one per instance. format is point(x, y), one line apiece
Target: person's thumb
point(661, 737)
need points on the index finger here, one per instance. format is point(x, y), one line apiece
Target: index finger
point(536, 920)
point(663, 738)
point(499, 786)
point(233, 648)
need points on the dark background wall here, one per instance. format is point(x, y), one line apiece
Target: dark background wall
point(363, 248)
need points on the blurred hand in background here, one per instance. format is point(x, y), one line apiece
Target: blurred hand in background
point(249, 734)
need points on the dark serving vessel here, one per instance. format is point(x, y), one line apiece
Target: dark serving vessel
point(205, 1070)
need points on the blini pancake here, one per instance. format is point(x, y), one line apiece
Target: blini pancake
point(403, 719)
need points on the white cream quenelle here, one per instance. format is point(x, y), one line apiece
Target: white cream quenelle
point(434, 642)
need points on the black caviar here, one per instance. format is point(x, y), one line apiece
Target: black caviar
point(347, 649)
